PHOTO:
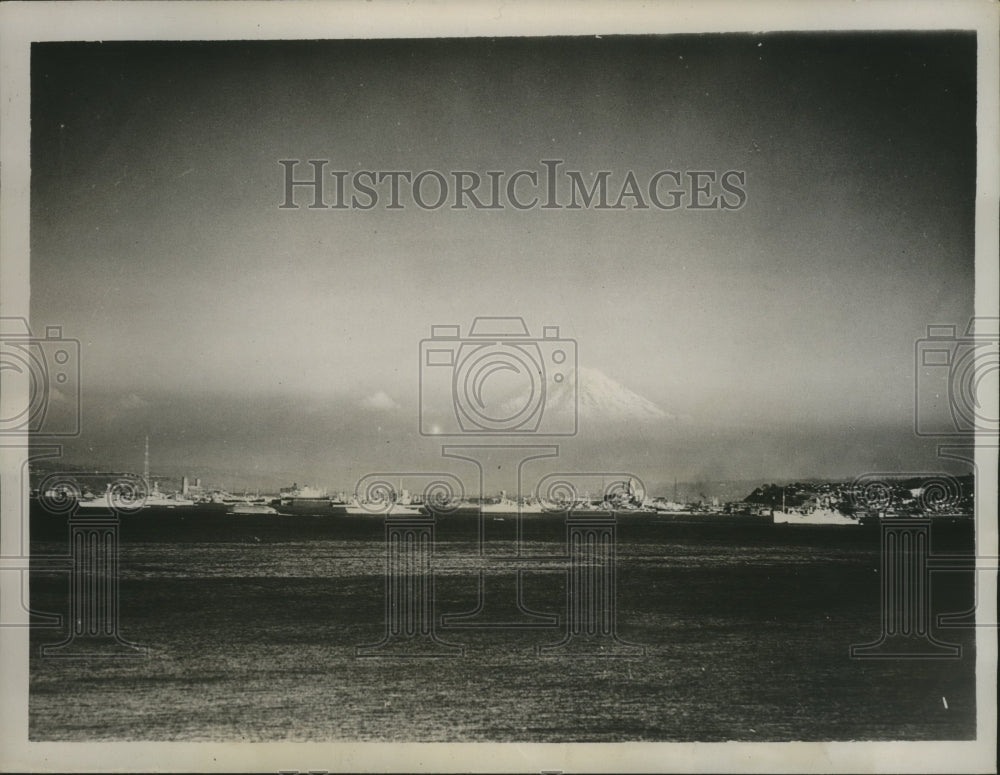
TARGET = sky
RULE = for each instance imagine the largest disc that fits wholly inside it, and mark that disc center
(259, 342)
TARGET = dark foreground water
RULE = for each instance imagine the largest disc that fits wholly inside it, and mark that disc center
(251, 626)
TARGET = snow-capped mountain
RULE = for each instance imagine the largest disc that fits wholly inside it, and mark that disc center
(598, 399)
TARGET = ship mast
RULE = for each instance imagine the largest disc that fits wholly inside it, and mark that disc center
(145, 465)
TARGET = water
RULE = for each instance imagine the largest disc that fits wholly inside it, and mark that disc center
(252, 624)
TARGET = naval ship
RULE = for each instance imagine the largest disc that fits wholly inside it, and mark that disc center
(305, 501)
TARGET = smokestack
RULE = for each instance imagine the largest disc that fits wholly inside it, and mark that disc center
(184, 485)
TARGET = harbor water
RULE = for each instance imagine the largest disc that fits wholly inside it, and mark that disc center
(252, 624)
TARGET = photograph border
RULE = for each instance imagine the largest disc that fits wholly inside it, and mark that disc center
(22, 23)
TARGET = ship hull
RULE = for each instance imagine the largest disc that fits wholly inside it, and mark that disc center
(714, 518)
(823, 517)
(310, 507)
(251, 510)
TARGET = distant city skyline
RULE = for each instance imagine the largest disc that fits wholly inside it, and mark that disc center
(778, 337)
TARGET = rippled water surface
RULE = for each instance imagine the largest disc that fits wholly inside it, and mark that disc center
(252, 626)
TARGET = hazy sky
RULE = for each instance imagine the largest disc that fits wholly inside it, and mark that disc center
(157, 239)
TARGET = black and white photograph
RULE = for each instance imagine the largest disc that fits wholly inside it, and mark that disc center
(511, 387)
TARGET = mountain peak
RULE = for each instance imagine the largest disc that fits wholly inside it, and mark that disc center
(602, 398)
(599, 398)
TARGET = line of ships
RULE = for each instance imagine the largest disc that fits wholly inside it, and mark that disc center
(309, 501)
